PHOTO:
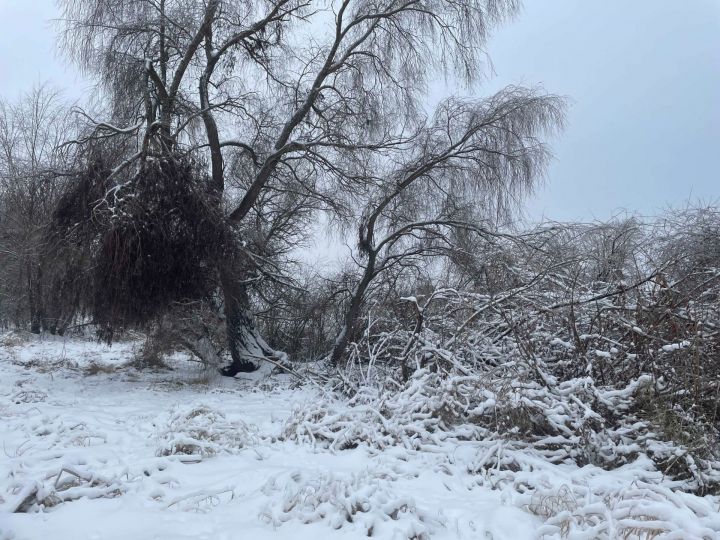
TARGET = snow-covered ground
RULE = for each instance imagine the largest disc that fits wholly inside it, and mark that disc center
(93, 449)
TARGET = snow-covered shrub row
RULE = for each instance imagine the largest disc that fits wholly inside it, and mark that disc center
(567, 421)
(432, 407)
(571, 420)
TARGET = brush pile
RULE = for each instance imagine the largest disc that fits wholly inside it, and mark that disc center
(586, 345)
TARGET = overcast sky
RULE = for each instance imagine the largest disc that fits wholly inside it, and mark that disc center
(644, 77)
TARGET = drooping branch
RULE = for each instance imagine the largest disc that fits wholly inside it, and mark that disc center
(487, 146)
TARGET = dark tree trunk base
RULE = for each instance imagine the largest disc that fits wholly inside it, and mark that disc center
(247, 348)
(233, 369)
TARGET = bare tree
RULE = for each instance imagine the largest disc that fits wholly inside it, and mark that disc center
(31, 130)
(472, 160)
(300, 107)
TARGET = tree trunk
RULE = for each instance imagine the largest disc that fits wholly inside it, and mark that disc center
(352, 314)
(247, 348)
(35, 300)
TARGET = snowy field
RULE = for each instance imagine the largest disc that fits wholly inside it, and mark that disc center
(94, 449)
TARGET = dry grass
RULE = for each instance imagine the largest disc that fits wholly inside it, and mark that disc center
(95, 368)
(13, 339)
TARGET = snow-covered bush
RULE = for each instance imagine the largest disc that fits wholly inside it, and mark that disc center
(68, 484)
(203, 431)
(363, 501)
(646, 511)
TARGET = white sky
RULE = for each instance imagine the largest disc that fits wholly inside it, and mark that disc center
(644, 76)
